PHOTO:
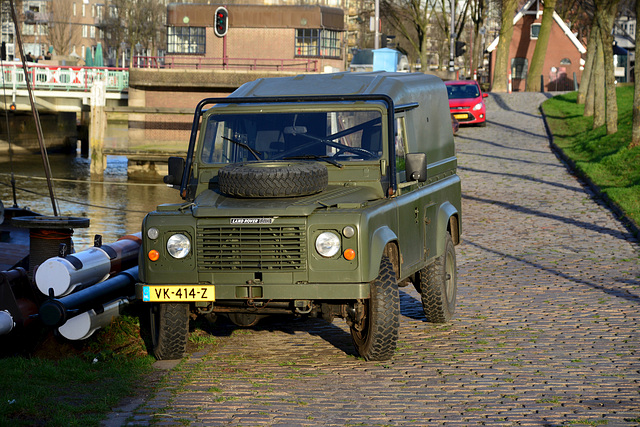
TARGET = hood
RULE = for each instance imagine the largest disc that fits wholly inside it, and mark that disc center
(213, 204)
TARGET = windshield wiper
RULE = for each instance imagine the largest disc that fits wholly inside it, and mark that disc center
(315, 157)
(255, 153)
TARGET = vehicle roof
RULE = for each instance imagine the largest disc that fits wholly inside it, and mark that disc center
(403, 88)
(461, 82)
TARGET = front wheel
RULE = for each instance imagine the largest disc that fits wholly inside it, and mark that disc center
(169, 324)
(374, 329)
(438, 285)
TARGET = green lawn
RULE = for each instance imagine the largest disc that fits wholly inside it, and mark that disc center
(605, 159)
(75, 384)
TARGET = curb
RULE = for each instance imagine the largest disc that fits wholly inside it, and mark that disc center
(629, 223)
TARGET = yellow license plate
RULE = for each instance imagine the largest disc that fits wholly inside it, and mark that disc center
(460, 116)
(178, 293)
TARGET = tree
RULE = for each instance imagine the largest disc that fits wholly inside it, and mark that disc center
(114, 25)
(598, 84)
(605, 14)
(588, 67)
(502, 51)
(635, 134)
(412, 19)
(540, 51)
(443, 19)
(145, 18)
(478, 13)
(62, 33)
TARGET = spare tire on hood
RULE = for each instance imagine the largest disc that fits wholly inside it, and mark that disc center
(273, 179)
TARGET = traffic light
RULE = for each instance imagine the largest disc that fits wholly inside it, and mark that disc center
(460, 50)
(221, 22)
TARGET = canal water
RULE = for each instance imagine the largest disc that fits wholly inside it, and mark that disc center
(115, 206)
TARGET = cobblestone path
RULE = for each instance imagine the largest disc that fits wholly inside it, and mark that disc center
(546, 331)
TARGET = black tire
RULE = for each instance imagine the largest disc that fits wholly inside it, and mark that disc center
(375, 334)
(169, 324)
(438, 285)
(273, 179)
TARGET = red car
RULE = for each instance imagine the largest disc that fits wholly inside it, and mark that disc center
(466, 102)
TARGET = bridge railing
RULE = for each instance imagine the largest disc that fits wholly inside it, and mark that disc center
(201, 63)
(59, 77)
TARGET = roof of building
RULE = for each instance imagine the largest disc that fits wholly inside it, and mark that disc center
(526, 10)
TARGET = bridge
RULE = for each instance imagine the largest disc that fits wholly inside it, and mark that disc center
(59, 88)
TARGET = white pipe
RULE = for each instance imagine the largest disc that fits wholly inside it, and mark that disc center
(6, 322)
(84, 325)
(60, 275)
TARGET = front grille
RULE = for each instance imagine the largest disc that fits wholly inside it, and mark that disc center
(229, 248)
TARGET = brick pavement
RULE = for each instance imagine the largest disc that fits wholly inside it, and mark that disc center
(546, 330)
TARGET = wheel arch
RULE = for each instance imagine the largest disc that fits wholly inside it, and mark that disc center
(383, 242)
(448, 221)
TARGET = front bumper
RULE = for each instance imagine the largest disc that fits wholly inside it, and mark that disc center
(282, 292)
(469, 117)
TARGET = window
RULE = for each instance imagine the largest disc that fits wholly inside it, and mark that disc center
(85, 30)
(519, 68)
(535, 31)
(400, 149)
(344, 136)
(316, 42)
(565, 61)
(186, 40)
(74, 9)
(84, 9)
(92, 32)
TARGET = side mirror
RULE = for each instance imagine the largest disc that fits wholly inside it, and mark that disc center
(416, 166)
(176, 169)
(485, 95)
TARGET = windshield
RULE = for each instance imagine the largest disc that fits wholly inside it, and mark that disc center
(338, 135)
(463, 91)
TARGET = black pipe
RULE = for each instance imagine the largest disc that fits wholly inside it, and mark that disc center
(55, 312)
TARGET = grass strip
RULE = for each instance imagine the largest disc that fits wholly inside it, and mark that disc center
(605, 160)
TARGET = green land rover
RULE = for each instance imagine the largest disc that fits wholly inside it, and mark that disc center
(315, 195)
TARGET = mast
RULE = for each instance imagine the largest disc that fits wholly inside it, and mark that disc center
(34, 110)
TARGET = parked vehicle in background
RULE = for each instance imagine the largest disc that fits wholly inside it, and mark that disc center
(315, 195)
(384, 59)
(466, 101)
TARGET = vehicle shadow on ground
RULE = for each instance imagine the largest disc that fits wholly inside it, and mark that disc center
(332, 333)
(612, 289)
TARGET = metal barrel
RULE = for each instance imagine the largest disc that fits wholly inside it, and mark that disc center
(55, 312)
(84, 325)
(59, 276)
(16, 299)
(6, 322)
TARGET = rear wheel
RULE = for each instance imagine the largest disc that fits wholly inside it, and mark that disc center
(169, 324)
(438, 285)
(374, 329)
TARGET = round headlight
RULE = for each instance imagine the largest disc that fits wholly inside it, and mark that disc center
(328, 244)
(153, 233)
(178, 246)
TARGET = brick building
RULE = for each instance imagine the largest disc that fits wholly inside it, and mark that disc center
(564, 57)
(303, 38)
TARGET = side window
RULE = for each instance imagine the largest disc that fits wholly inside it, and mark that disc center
(401, 143)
